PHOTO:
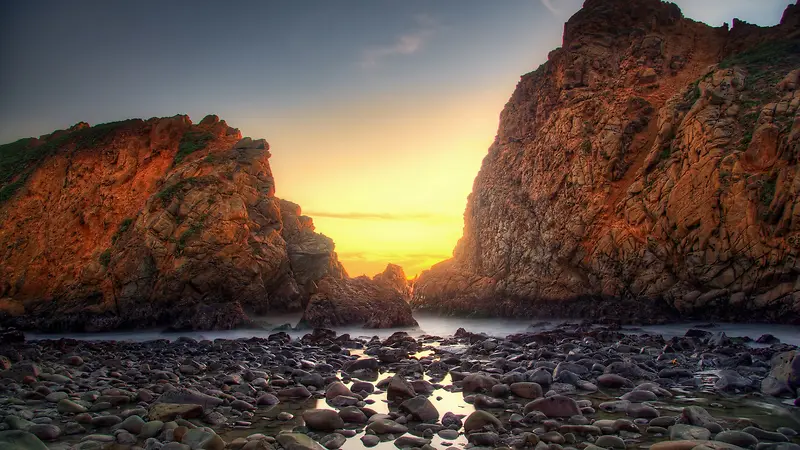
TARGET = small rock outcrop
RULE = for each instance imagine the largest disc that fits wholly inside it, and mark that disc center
(649, 170)
(149, 223)
(381, 302)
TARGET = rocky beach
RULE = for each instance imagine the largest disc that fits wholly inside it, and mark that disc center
(575, 386)
(627, 275)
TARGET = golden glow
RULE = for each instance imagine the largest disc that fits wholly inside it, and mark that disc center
(388, 179)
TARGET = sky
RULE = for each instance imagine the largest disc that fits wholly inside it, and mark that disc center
(378, 112)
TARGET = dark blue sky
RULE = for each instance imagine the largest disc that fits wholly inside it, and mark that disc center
(100, 60)
(373, 108)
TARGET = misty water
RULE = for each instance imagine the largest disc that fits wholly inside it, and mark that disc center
(442, 326)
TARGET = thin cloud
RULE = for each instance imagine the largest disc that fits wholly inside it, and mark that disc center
(395, 257)
(405, 44)
(376, 215)
(549, 5)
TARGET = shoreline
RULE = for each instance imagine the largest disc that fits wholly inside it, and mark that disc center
(573, 386)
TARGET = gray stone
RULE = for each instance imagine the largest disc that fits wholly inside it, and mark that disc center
(20, 440)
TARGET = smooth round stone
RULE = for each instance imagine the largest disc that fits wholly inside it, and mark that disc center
(484, 439)
(609, 441)
(552, 437)
(151, 429)
(448, 434)
(639, 410)
(554, 406)
(74, 360)
(126, 438)
(639, 396)
(322, 419)
(526, 390)
(485, 402)
(411, 441)
(739, 438)
(45, 432)
(203, 438)
(681, 432)
(370, 440)
(663, 421)
(613, 381)
(352, 414)
(55, 397)
(763, 435)
(71, 428)
(67, 406)
(106, 421)
(98, 438)
(362, 386)
(132, 424)
(267, 400)
(480, 419)
(500, 390)
(332, 441)
(20, 440)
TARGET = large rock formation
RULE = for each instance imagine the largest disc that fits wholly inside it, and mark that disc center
(648, 170)
(157, 222)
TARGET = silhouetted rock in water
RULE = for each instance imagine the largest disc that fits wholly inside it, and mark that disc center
(154, 223)
(375, 303)
(647, 171)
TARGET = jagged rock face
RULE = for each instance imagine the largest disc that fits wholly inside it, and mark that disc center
(378, 303)
(394, 278)
(647, 171)
(156, 222)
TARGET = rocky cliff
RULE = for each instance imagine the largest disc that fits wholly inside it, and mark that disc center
(158, 222)
(648, 170)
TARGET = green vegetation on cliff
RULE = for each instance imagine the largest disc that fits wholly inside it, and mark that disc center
(20, 158)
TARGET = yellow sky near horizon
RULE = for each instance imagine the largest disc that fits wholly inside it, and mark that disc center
(394, 192)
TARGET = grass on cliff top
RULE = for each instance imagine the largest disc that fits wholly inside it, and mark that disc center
(192, 141)
(767, 55)
(766, 65)
(19, 159)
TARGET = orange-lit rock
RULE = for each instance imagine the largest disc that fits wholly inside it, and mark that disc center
(649, 170)
(151, 223)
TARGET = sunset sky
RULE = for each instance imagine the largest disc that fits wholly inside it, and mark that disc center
(378, 112)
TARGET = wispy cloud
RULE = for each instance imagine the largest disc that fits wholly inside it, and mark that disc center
(393, 256)
(549, 5)
(405, 44)
(377, 215)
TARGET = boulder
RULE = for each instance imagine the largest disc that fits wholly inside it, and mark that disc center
(420, 409)
(20, 440)
(297, 441)
(322, 419)
(399, 390)
(479, 420)
(555, 406)
(784, 377)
